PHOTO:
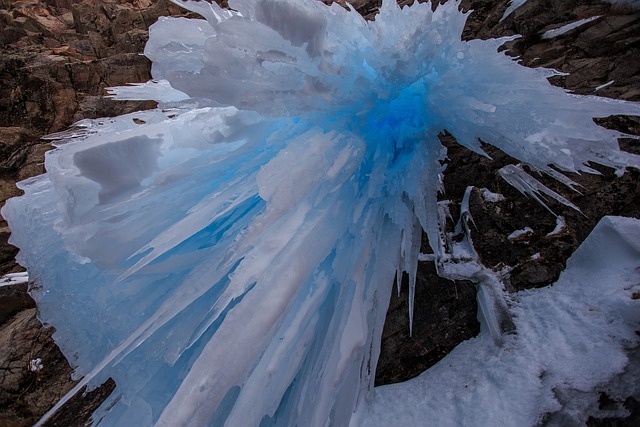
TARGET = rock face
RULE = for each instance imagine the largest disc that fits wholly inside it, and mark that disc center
(444, 315)
(58, 56)
(34, 375)
(27, 391)
(601, 51)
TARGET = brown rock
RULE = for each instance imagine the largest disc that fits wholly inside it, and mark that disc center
(14, 299)
(26, 394)
(34, 375)
(445, 314)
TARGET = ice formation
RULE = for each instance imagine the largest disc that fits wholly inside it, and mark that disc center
(520, 234)
(14, 279)
(513, 5)
(519, 179)
(228, 257)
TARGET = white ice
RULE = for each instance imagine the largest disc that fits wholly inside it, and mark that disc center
(516, 176)
(490, 196)
(561, 224)
(566, 28)
(602, 86)
(513, 5)
(519, 234)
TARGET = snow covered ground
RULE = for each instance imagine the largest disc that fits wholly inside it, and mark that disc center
(572, 341)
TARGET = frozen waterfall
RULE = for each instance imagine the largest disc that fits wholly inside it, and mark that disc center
(228, 257)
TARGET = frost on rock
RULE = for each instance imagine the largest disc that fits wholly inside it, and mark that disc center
(228, 257)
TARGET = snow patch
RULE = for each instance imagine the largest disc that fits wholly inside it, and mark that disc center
(14, 278)
(520, 234)
(566, 28)
(491, 197)
(561, 224)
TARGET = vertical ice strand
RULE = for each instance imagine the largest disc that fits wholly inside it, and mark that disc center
(228, 257)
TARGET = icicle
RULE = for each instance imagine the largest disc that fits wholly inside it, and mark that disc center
(516, 176)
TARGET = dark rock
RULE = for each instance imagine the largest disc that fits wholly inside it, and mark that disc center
(27, 390)
(630, 404)
(14, 299)
(26, 394)
(445, 314)
(7, 251)
(79, 409)
(15, 146)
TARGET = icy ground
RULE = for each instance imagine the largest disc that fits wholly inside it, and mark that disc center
(228, 256)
